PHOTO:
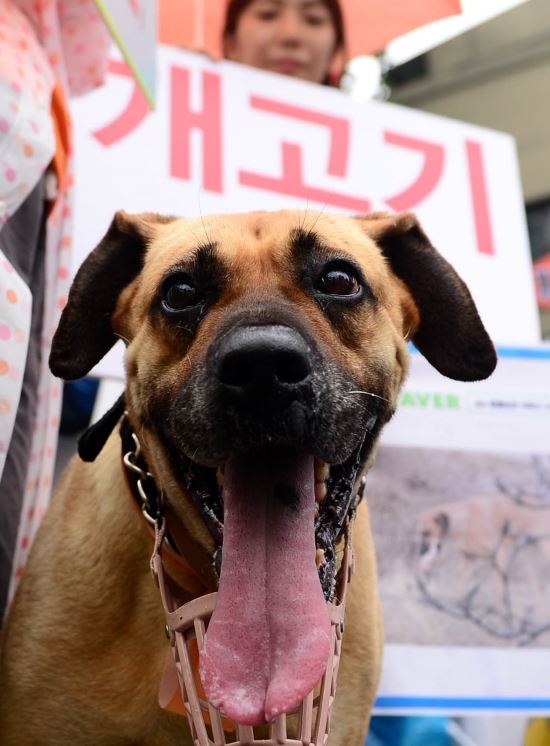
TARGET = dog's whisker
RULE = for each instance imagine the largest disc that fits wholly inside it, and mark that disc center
(321, 211)
(124, 339)
(305, 216)
(369, 393)
(202, 218)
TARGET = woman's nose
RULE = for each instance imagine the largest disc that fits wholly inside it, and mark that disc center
(289, 27)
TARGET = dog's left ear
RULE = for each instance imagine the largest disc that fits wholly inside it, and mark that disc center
(450, 335)
(84, 334)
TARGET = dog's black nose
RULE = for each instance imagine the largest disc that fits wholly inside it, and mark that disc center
(264, 359)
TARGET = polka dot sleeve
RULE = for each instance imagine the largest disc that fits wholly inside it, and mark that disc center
(26, 133)
(86, 42)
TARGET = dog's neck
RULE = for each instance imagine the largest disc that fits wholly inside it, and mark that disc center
(188, 565)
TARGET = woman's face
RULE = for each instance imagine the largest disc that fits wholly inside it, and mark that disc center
(291, 37)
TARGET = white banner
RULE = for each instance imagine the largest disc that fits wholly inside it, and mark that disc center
(460, 506)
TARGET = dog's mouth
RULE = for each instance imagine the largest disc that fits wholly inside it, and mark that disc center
(336, 490)
(281, 513)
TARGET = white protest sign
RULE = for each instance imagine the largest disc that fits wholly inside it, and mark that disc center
(226, 138)
(460, 506)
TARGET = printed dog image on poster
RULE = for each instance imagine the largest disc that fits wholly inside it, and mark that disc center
(460, 499)
(474, 533)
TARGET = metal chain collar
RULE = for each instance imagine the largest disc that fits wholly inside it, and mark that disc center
(150, 504)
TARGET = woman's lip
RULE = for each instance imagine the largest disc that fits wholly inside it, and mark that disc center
(287, 64)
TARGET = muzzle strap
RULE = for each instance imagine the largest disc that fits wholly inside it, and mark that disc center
(186, 627)
(94, 438)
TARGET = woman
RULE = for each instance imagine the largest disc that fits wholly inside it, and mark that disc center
(300, 38)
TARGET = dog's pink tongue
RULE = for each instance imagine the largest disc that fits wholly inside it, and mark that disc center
(267, 643)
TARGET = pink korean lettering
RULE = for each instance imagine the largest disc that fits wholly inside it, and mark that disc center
(427, 179)
(480, 200)
(183, 119)
(291, 182)
(430, 175)
(132, 115)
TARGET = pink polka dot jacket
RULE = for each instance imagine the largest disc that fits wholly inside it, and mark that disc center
(46, 46)
(41, 41)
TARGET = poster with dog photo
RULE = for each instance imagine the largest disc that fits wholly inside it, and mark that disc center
(460, 506)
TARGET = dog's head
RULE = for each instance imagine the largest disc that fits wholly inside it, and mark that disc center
(266, 351)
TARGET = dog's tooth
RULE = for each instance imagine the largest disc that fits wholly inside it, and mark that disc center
(319, 557)
(219, 476)
(322, 470)
(320, 491)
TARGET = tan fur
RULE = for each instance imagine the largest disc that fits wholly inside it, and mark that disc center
(84, 645)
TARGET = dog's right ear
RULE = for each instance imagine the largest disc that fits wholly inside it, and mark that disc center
(84, 334)
(450, 333)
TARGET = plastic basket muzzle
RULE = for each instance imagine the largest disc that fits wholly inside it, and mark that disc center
(186, 627)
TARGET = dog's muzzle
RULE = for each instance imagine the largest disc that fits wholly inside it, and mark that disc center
(186, 627)
(265, 386)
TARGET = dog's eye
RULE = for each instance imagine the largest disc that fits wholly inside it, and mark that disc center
(180, 295)
(338, 280)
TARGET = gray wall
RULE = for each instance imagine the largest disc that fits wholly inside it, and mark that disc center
(498, 76)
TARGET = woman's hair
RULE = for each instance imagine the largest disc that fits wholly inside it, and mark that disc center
(236, 7)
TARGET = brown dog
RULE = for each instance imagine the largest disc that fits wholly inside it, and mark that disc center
(272, 351)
